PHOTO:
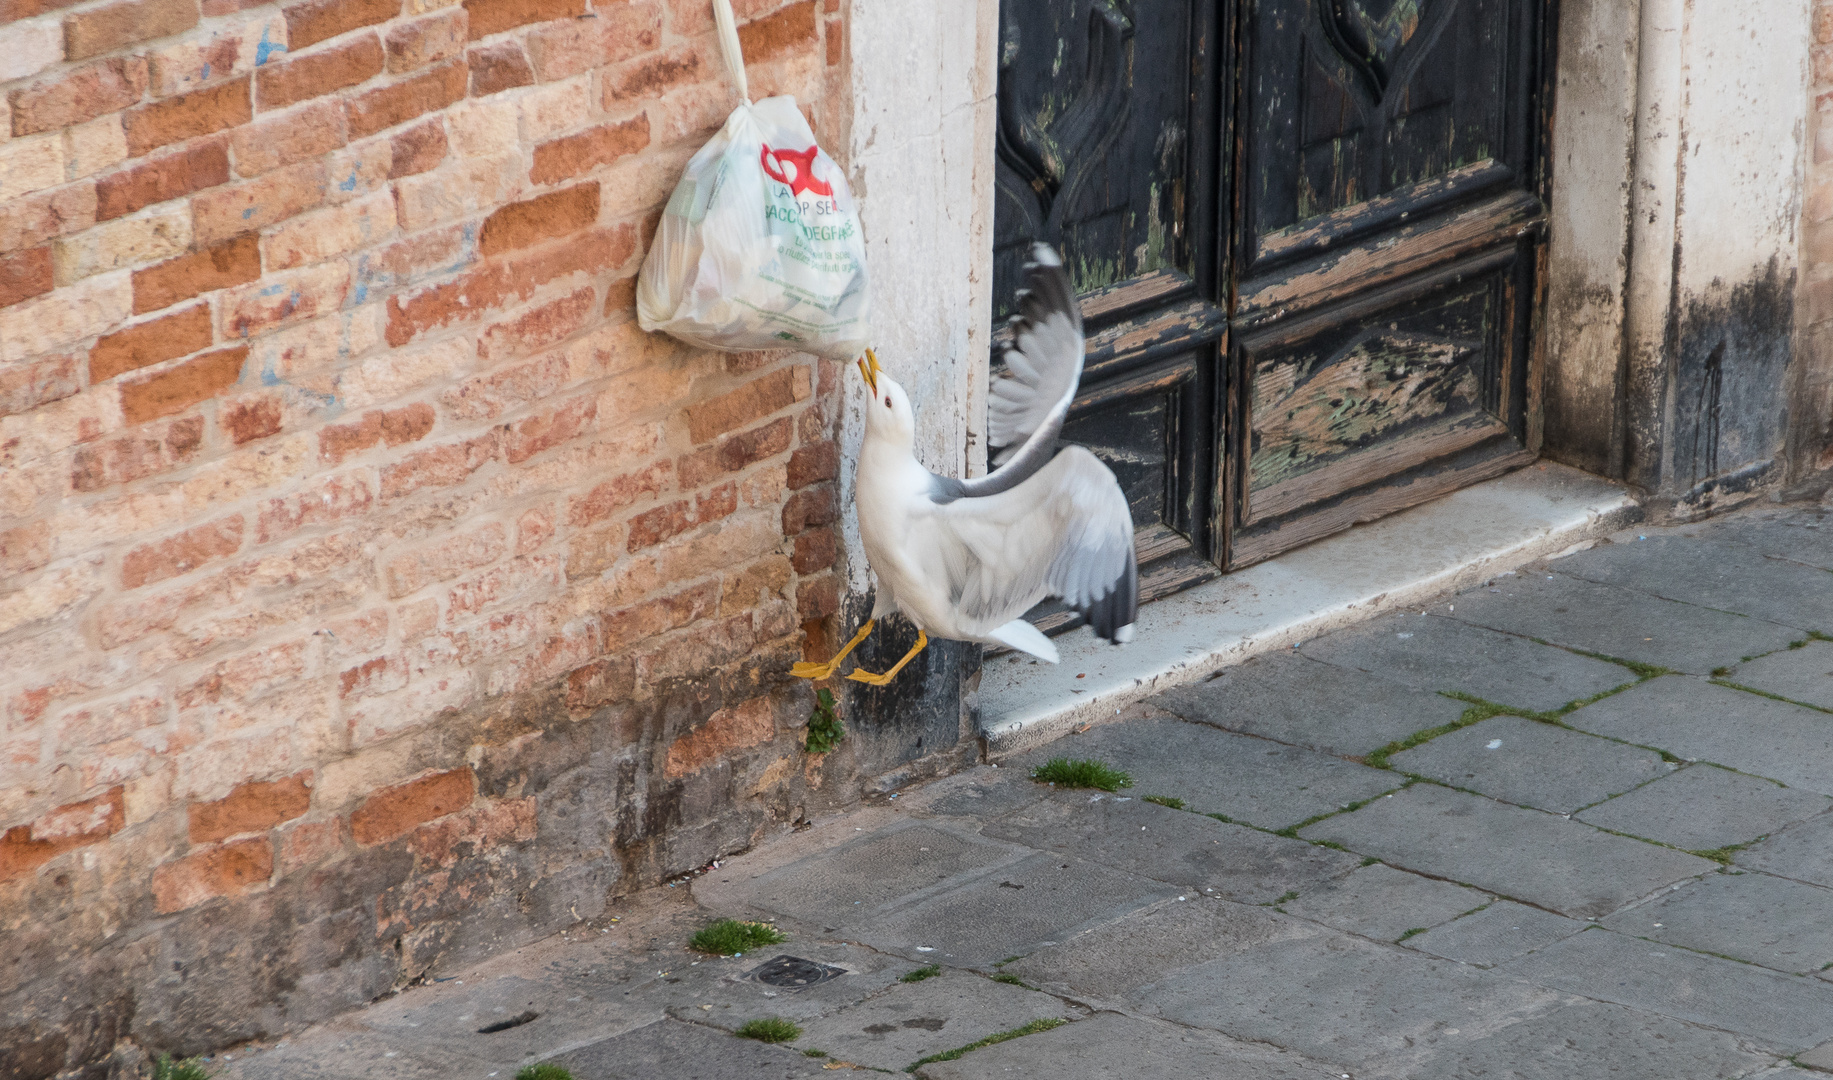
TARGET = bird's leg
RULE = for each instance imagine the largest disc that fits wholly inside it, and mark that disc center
(809, 670)
(879, 680)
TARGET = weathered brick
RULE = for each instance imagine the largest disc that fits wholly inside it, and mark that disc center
(812, 464)
(168, 177)
(46, 215)
(544, 217)
(26, 548)
(417, 150)
(235, 262)
(752, 446)
(24, 275)
(816, 550)
(24, 848)
(196, 60)
(652, 76)
(318, 73)
(73, 97)
(232, 869)
(534, 528)
(124, 242)
(319, 20)
(538, 327)
(836, 42)
(555, 107)
(188, 116)
(755, 400)
(116, 26)
(328, 233)
(809, 508)
(61, 317)
(150, 342)
(283, 299)
(179, 387)
(26, 387)
(500, 65)
(611, 495)
(28, 165)
(251, 419)
(576, 154)
(728, 730)
(97, 145)
(438, 466)
(494, 286)
(818, 598)
(600, 683)
(393, 811)
(323, 502)
(495, 16)
(249, 808)
(387, 106)
(787, 30)
(181, 554)
(544, 431)
(310, 843)
(426, 41)
(396, 426)
(31, 48)
(104, 463)
(258, 203)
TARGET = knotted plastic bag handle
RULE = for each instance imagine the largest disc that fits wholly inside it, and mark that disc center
(729, 48)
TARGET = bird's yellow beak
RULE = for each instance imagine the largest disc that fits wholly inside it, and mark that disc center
(871, 373)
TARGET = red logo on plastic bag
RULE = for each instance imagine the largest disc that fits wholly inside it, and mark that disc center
(803, 164)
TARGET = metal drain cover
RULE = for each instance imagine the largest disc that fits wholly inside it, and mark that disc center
(794, 972)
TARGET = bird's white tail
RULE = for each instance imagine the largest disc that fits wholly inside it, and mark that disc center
(1024, 637)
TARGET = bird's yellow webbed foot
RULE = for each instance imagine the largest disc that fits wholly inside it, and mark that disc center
(808, 669)
(879, 680)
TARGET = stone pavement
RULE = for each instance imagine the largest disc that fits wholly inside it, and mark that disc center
(1571, 823)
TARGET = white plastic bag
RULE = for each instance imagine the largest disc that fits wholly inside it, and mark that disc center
(760, 245)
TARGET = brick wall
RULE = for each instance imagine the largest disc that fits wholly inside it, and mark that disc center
(1811, 389)
(373, 592)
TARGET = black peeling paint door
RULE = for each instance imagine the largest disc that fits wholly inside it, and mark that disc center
(1386, 257)
(1111, 115)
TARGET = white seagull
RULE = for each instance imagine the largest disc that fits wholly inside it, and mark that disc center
(964, 559)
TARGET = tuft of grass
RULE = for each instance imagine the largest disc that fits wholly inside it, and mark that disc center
(1007, 960)
(1081, 774)
(1723, 855)
(1369, 860)
(824, 727)
(1223, 818)
(1012, 980)
(1720, 672)
(1033, 1028)
(164, 1068)
(1171, 801)
(729, 936)
(814, 1053)
(770, 1029)
(922, 973)
(545, 1070)
(1410, 933)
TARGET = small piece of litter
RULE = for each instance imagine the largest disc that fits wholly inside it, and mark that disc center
(1495, 744)
(1180, 899)
(1657, 926)
(1081, 674)
(925, 948)
(1142, 828)
(1403, 637)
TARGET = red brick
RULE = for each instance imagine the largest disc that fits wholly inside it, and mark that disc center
(235, 262)
(25, 548)
(178, 388)
(253, 807)
(24, 275)
(437, 466)
(246, 421)
(318, 73)
(258, 203)
(396, 810)
(654, 526)
(311, 23)
(537, 328)
(427, 41)
(213, 8)
(390, 105)
(311, 842)
(646, 620)
(495, 16)
(26, 387)
(408, 424)
(544, 217)
(815, 551)
(575, 154)
(496, 285)
(24, 848)
(812, 464)
(601, 501)
(808, 508)
(417, 150)
(223, 870)
(169, 177)
(181, 554)
(653, 76)
(548, 430)
(533, 528)
(88, 92)
(600, 683)
(396, 426)
(277, 141)
(187, 116)
(751, 402)
(144, 344)
(573, 46)
(282, 299)
(499, 66)
(818, 598)
(836, 42)
(728, 730)
(31, 220)
(119, 461)
(129, 22)
(324, 502)
(749, 447)
(788, 30)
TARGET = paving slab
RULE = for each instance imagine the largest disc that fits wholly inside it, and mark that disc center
(1803, 852)
(1821, 1057)
(1111, 1045)
(1760, 919)
(1498, 933)
(1341, 999)
(914, 1020)
(1431, 652)
(1258, 781)
(344, 1052)
(1289, 697)
(1383, 903)
(1715, 575)
(1798, 534)
(1593, 1039)
(1625, 623)
(1699, 721)
(1804, 674)
(1524, 854)
(1702, 808)
(980, 793)
(1532, 764)
(1040, 899)
(1784, 1011)
(1178, 847)
(681, 1051)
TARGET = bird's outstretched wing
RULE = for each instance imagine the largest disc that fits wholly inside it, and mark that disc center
(1066, 532)
(1026, 405)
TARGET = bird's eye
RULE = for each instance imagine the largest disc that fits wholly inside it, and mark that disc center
(887, 403)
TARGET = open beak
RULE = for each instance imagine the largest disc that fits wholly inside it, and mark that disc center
(871, 373)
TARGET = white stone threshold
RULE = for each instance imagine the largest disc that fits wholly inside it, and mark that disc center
(1408, 558)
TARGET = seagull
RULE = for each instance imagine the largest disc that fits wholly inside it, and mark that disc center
(964, 559)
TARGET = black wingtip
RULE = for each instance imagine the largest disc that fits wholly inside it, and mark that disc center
(1047, 289)
(1116, 612)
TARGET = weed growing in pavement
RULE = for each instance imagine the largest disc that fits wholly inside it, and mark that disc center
(1007, 960)
(546, 1070)
(824, 727)
(164, 1068)
(1012, 980)
(770, 1029)
(1032, 1028)
(922, 973)
(1081, 774)
(1171, 801)
(1722, 855)
(1369, 860)
(1410, 932)
(814, 1053)
(728, 937)
(1223, 818)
